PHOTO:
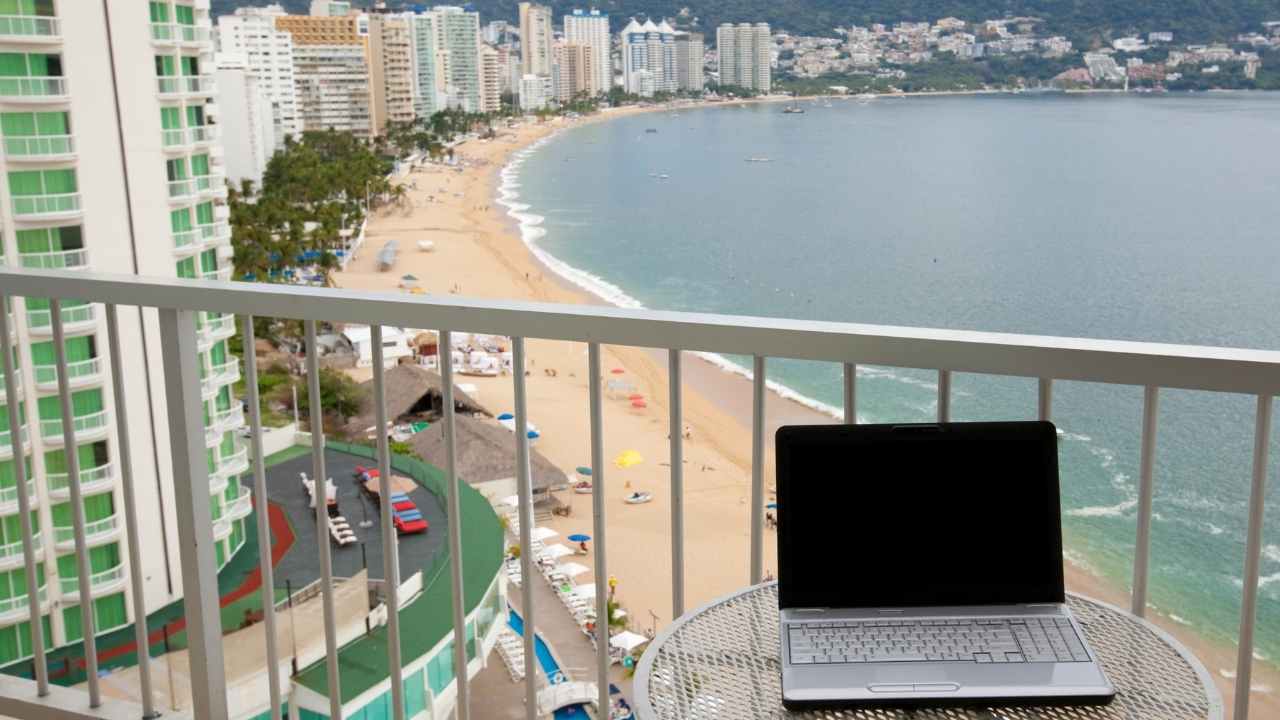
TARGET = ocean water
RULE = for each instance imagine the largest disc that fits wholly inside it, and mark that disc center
(1144, 218)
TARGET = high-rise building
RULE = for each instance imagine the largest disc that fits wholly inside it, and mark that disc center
(391, 72)
(574, 71)
(330, 8)
(689, 54)
(745, 52)
(428, 96)
(651, 48)
(331, 71)
(268, 53)
(497, 32)
(110, 163)
(591, 30)
(458, 56)
(245, 119)
(535, 39)
(490, 80)
(536, 92)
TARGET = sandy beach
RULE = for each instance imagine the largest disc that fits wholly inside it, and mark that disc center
(478, 253)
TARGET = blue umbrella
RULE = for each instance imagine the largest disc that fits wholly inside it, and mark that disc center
(772, 506)
(579, 537)
(506, 416)
(533, 435)
(584, 470)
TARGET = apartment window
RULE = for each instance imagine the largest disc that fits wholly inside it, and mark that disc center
(199, 165)
(190, 65)
(96, 507)
(187, 269)
(204, 213)
(185, 14)
(83, 403)
(15, 640)
(166, 66)
(42, 182)
(171, 118)
(108, 612)
(14, 583)
(8, 479)
(101, 559)
(19, 65)
(176, 169)
(28, 124)
(195, 115)
(159, 12)
(89, 456)
(41, 8)
(50, 240)
(180, 220)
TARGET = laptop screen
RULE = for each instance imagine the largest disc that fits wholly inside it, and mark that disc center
(918, 515)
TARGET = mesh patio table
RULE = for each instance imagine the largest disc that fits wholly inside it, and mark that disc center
(721, 662)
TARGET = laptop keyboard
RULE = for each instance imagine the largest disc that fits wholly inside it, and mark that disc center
(985, 640)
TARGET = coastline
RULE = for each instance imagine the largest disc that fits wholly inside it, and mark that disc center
(482, 251)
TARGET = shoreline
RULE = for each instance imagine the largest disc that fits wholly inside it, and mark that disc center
(499, 261)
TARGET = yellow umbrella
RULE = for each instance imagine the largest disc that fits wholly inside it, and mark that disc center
(628, 458)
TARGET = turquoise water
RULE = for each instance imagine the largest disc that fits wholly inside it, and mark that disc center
(1150, 218)
(550, 668)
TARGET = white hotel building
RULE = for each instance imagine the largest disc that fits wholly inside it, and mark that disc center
(110, 161)
(268, 54)
(590, 29)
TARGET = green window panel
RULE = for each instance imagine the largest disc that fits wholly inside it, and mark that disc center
(199, 165)
(211, 458)
(108, 612)
(26, 124)
(195, 115)
(220, 554)
(101, 559)
(204, 213)
(415, 694)
(14, 582)
(90, 456)
(187, 268)
(11, 527)
(54, 239)
(170, 118)
(96, 507)
(42, 182)
(15, 640)
(159, 12)
(190, 65)
(83, 402)
(440, 669)
(4, 415)
(223, 400)
(237, 535)
(78, 349)
(305, 714)
(377, 709)
(176, 169)
(9, 475)
(34, 303)
(30, 65)
(166, 66)
(208, 261)
(180, 220)
(228, 444)
(185, 14)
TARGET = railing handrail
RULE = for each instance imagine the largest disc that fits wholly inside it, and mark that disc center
(52, 428)
(1195, 367)
(10, 494)
(69, 585)
(7, 22)
(41, 260)
(59, 480)
(15, 548)
(45, 145)
(65, 533)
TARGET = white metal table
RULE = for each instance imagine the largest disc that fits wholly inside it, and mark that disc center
(721, 662)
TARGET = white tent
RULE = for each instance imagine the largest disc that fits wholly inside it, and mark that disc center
(512, 500)
(572, 569)
(556, 550)
(542, 533)
(584, 591)
(626, 641)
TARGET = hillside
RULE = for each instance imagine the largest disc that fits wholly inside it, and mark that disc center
(1083, 21)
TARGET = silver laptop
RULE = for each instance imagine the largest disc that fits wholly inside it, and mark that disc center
(922, 565)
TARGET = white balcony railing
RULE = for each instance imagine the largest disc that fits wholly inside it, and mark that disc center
(95, 533)
(17, 607)
(222, 273)
(39, 148)
(9, 497)
(179, 34)
(46, 206)
(211, 185)
(6, 441)
(92, 480)
(11, 555)
(214, 233)
(240, 507)
(74, 318)
(30, 28)
(86, 427)
(56, 260)
(220, 375)
(187, 242)
(1045, 359)
(79, 373)
(34, 89)
(100, 583)
(233, 463)
(182, 189)
(222, 423)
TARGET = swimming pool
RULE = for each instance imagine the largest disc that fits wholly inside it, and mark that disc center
(549, 666)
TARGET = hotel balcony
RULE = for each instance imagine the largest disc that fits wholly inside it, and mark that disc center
(57, 260)
(79, 374)
(40, 148)
(213, 185)
(352, 678)
(54, 206)
(98, 532)
(9, 497)
(182, 190)
(92, 480)
(178, 140)
(76, 320)
(222, 273)
(178, 35)
(17, 608)
(30, 29)
(214, 234)
(17, 384)
(222, 423)
(102, 583)
(93, 426)
(6, 442)
(187, 243)
(239, 508)
(11, 555)
(34, 90)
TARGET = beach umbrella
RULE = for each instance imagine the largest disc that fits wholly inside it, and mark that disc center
(533, 435)
(617, 371)
(579, 537)
(584, 470)
(628, 458)
(626, 641)
(506, 416)
(635, 396)
(639, 404)
(772, 506)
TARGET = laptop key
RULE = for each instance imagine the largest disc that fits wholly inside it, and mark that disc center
(982, 657)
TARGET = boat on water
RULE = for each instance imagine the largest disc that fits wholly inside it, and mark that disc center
(793, 110)
(663, 176)
(639, 498)
(865, 97)
(758, 159)
(651, 130)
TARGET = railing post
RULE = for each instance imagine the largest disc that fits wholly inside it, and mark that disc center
(263, 525)
(676, 424)
(1044, 406)
(72, 458)
(24, 501)
(390, 540)
(1146, 491)
(598, 519)
(944, 396)
(524, 487)
(1253, 556)
(179, 352)
(850, 394)
(125, 454)
(757, 469)
(462, 710)
(320, 496)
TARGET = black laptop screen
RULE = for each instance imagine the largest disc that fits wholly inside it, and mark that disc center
(908, 516)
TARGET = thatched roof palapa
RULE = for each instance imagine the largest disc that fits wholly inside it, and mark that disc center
(411, 390)
(486, 451)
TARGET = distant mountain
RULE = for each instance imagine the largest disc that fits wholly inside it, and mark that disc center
(1083, 21)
